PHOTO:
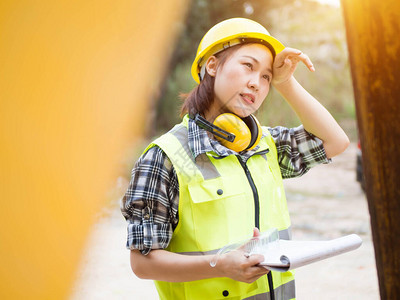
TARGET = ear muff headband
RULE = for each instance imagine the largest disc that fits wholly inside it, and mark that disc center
(255, 129)
(233, 132)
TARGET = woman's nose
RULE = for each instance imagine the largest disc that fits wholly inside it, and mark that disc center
(254, 83)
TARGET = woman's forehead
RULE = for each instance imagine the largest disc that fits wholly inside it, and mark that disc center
(254, 48)
(256, 52)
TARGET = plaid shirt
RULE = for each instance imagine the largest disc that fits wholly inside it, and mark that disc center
(150, 205)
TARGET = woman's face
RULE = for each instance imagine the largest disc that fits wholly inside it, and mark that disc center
(242, 82)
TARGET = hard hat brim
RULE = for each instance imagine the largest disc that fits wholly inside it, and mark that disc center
(250, 37)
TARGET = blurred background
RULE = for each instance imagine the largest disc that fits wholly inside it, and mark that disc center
(86, 85)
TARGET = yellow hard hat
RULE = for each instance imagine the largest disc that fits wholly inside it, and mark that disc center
(229, 33)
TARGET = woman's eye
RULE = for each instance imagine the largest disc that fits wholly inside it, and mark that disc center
(249, 65)
(267, 77)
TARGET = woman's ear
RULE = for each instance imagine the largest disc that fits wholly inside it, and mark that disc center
(212, 65)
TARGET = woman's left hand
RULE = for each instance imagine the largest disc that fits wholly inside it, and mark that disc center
(285, 64)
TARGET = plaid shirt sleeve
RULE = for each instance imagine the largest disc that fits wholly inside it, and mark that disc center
(150, 203)
(298, 150)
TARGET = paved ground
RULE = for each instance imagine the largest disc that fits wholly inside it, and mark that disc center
(326, 203)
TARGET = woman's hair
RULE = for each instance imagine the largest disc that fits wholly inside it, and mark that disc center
(198, 100)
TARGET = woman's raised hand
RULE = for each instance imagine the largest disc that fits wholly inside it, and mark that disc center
(285, 64)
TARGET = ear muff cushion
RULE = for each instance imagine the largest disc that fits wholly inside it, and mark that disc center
(235, 125)
(254, 128)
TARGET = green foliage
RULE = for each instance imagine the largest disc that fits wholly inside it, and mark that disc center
(316, 29)
(168, 107)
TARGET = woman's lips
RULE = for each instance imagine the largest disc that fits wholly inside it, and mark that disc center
(249, 98)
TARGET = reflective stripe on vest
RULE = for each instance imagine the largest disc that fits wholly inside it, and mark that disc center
(285, 291)
(216, 207)
(283, 235)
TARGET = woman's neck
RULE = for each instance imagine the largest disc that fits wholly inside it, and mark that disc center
(212, 113)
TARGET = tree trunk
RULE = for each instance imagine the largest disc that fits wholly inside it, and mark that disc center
(373, 28)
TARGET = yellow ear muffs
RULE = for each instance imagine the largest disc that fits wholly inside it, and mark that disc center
(234, 125)
(233, 132)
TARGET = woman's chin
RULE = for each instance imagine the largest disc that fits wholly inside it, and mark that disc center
(242, 112)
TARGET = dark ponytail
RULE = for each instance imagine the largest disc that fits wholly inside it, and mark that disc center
(200, 98)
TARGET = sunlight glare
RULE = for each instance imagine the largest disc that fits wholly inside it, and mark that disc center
(330, 2)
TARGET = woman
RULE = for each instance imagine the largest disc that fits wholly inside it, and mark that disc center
(217, 177)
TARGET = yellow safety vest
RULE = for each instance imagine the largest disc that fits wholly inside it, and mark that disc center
(221, 200)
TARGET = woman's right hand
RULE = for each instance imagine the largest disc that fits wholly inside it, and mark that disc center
(238, 265)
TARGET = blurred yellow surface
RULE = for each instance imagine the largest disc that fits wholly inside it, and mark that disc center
(76, 81)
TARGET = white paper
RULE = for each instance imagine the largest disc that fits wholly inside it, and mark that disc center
(287, 255)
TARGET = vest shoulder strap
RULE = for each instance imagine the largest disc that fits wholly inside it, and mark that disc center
(175, 145)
